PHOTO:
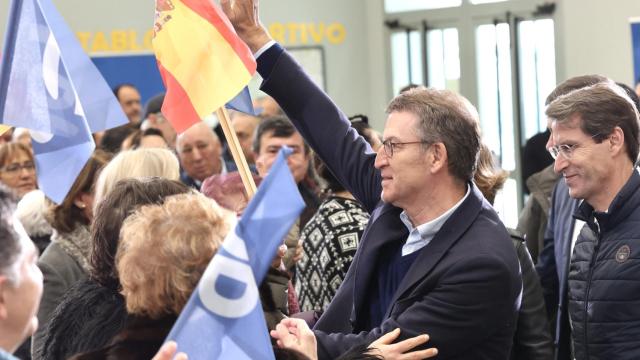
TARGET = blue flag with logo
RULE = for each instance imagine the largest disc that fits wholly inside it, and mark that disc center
(223, 318)
(50, 86)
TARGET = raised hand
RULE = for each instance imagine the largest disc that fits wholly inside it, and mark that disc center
(244, 17)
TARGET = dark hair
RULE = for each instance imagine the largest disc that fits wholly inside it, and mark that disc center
(574, 83)
(116, 89)
(65, 216)
(631, 94)
(601, 108)
(446, 117)
(362, 129)
(10, 247)
(489, 178)
(276, 126)
(136, 137)
(288, 354)
(154, 105)
(359, 352)
(126, 196)
(113, 138)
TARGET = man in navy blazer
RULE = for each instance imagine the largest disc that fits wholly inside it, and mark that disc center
(435, 257)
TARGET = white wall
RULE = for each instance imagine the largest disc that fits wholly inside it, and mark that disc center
(594, 37)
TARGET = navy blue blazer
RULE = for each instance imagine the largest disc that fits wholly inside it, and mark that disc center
(463, 289)
(553, 265)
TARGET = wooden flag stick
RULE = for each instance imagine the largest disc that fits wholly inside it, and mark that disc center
(236, 152)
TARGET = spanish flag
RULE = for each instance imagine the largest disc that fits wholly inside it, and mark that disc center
(202, 61)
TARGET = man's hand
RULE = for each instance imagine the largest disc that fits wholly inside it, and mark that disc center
(384, 347)
(243, 15)
(294, 334)
(167, 351)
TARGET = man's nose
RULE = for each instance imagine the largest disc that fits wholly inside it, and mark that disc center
(197, 155)
(560, 163)
(381, 158)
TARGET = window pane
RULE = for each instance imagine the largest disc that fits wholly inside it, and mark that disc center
(495, 92)
(393, 6)
(403, 74)
(444, 59)
(537, 72)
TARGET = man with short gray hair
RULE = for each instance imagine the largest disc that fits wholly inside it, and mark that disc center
(200, 154)
(594, 137)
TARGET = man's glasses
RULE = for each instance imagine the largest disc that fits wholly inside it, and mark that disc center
(565, 149)
(16, 167)
(389, 146)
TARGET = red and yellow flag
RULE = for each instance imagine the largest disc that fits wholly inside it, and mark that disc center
(202, 61)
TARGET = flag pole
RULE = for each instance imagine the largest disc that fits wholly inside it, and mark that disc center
(236, 152)
(7, 54)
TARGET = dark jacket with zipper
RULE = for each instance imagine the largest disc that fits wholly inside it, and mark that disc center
(604, 279)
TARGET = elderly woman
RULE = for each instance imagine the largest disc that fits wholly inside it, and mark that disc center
(185, 232)
(93, 311)
(20, 280)
(66, 259)
(17, 168)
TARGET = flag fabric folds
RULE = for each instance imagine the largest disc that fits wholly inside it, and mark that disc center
(223, 318)
(50, 86)
(203, 62)
(242, 102)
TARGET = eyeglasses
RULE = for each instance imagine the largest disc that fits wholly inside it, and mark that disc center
(565, 149)
(16, 167)
(389, 145)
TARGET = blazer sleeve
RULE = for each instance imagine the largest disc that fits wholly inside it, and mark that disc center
(325, 128)
(469, 305)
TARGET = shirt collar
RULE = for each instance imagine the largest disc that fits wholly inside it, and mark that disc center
(430, 228)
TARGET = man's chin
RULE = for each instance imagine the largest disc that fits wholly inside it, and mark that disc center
(385, 198)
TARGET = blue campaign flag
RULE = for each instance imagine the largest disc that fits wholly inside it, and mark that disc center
(224, 318)
(242, 102)
(48, 85)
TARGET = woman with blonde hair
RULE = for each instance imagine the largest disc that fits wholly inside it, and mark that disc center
(17, 168)
(137, 163)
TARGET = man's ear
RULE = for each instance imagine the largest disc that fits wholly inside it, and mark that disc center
(4, 283)
(438, 156)
(616, 140)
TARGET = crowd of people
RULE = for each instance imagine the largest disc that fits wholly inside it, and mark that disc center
(398, 254)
